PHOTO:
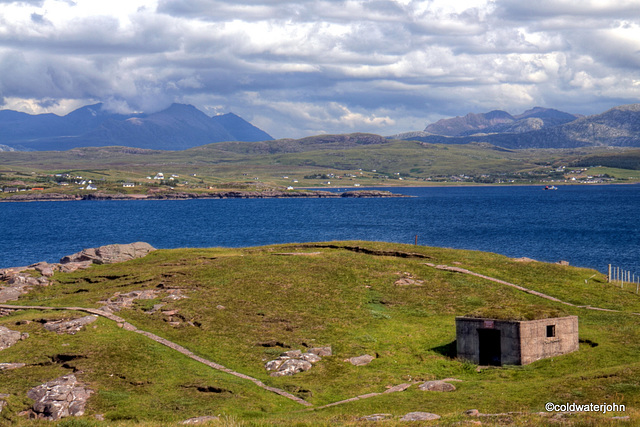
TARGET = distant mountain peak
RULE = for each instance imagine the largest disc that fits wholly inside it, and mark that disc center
(628, 107)
(178, 127)
(497, 114)
(543, 128)
(498, 121)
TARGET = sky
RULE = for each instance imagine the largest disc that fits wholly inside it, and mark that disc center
(308, 67)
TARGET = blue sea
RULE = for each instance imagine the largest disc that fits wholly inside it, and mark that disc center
(589, 226)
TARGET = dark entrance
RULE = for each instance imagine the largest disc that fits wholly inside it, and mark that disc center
(489, 347)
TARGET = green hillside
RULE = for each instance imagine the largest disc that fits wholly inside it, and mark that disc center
(320, 161)
(246, 306)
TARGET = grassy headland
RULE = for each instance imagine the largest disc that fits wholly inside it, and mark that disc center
(246, 306)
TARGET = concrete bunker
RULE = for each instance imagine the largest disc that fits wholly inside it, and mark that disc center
(514, 342)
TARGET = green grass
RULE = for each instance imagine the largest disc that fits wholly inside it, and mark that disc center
(253, 165)
(340, 298)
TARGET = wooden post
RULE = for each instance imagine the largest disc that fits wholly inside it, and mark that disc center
(619, 276)
(609, 276)
(617, 272)
(416, 240)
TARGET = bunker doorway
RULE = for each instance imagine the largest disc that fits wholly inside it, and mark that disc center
(489, 348)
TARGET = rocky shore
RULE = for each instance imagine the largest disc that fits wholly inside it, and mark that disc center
(268, 194)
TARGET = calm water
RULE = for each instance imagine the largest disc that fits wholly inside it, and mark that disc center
(588, 226)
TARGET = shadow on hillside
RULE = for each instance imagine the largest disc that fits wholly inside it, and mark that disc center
(447, 350)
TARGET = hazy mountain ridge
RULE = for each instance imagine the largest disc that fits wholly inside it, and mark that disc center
(499, 121)
(176, 128)
(616, 127)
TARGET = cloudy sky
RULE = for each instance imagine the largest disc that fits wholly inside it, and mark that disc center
(304, 67)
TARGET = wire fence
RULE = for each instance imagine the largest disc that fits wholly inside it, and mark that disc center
(622, 277)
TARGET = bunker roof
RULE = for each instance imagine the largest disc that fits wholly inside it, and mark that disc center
(530, 312)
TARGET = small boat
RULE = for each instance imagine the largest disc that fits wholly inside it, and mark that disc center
(553, 187)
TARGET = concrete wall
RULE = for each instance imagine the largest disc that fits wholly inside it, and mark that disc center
(521, 342)
(536, 345)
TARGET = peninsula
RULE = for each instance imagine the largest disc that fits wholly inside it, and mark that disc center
(267, 194)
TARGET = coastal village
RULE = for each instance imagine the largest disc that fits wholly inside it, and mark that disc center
(12, 182)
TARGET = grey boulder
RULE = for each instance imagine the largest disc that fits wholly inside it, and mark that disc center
(361, 360)
(436, 386)
(9, 337)
(70, 327)
(420, 416)
(59, 398)
(110, 254)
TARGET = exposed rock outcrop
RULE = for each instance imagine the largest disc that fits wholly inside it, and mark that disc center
(9, 366)
(436, 386)
(200, 420)
(110, 254)
(59, 398)
(70, 327)
(294, 361)
(287, 366)
(9, 337)
(397, 388)
(121, 301)
(20, 280)
(3, 402)
(408, 279)
(321, 351)
(376, 417)
(19, 283)
(420, 416)
(361, 360)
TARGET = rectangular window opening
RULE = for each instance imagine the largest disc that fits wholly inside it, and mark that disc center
(551, 331)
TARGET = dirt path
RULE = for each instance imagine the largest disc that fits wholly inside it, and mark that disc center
(129, 327)
(523, 289)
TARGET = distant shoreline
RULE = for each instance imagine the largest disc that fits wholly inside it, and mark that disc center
(270, 194)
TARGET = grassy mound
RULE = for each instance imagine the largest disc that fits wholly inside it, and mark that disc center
(246, 306)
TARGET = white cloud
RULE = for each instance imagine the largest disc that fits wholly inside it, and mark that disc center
(306, 66)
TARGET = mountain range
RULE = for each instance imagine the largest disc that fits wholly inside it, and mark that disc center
(498, 121)
(177, 128)
(537, 128)
(180, 127)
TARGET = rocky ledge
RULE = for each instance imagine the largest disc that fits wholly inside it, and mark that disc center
(59, 398)
(294, 361)
(17, 281)
(268, 194)
(110, 254)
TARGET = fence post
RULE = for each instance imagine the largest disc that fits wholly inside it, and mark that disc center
(609, 276)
